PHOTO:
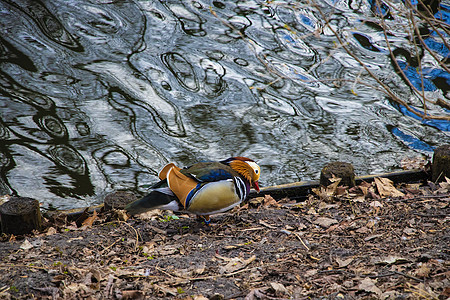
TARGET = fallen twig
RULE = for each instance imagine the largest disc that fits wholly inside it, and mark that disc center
(303, 243)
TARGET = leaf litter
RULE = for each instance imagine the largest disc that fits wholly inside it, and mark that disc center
(373, 241)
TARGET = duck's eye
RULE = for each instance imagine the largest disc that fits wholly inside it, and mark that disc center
(256, 171)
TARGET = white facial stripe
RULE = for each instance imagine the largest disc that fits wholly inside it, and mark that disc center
(254, 166)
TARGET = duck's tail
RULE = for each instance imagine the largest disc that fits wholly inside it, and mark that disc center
(160, 197)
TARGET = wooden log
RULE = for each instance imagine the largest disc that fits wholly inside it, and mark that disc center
(295, 190)
(441, 163)
(301, 189)
(118, 200)
(343, 170)
(407, 176)
(20, 215)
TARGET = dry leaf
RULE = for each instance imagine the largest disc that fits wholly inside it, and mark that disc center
(390, 295)
(311, 272)
(375, 204)
(121, 215)
(90, 220)
(364, 189)
(269, 201)
(331, 189)
(424, 271)
(279, 288)
(234, 264)
(444, 186)
(341, 190)
(200, 269)
(386, 188)
(256, 201)
(372, 237)
(26, 245)
(389, 260)
(151, 214)
(409, 231)
(51, 230)
(343, 263)
(368, 285)
(360, 199)
(325, 222)
(325, 193)
(424, 290)
(362, 229)
(334, 179)
(301, 226)
(165, 289)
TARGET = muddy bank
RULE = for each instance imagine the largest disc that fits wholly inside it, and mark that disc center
(338, 243)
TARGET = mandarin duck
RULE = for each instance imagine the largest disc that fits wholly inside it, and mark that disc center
(204, 189)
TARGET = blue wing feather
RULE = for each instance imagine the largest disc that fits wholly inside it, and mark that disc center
(215, 175)
(209, 172)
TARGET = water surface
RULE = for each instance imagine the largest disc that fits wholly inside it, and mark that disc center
(97, 96)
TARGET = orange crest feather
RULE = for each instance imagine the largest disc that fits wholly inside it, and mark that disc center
(242, 168)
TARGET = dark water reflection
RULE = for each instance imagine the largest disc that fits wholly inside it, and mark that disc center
(97, 95)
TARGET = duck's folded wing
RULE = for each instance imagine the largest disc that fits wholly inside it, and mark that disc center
(209, 171)
(163, 173)
(180, 184)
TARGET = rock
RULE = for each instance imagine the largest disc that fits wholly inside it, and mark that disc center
(118, 200)
(342, 170)
(20, 215)
(441, 163)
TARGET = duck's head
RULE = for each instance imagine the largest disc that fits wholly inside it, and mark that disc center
(247, 168)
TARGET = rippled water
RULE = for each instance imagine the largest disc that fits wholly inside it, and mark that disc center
(97, 96)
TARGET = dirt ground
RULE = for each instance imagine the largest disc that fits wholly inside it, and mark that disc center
(374, 241)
